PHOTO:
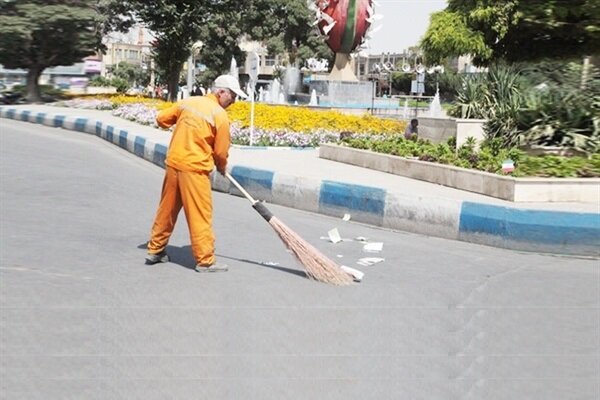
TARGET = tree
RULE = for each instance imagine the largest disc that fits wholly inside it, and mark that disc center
(513, 30)
(219, 25)
(177, 24)
(286, 25)
(37, 34)
(133, 74)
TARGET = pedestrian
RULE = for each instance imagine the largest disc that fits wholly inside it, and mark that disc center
(412, 129)
(200, 142)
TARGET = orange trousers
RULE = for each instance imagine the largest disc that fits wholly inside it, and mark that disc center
(192, 191)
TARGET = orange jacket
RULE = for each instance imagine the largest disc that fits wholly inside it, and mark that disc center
(201, 138)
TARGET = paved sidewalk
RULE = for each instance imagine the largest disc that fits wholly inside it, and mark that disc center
(300, 179)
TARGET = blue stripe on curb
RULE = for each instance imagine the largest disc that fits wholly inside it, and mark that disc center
(59, 121)
(109, 133)
(353, 197)
(138, 146)
(514, 228)
(123, 139)
(80, 124)
(536, 226)
(247, 176)
(160, 153)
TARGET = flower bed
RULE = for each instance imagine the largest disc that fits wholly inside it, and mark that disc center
(274, 125)
(489, 158)
(302, 119)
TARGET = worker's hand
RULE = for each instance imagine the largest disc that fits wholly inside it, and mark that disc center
(222, 171)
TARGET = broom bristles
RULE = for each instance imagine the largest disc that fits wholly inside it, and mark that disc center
(317, 266)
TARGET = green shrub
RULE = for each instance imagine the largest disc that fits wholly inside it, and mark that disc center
(48, 92)
(489, 158)
(120, 84)
(99, 81)
(560, 112)
(545, 104)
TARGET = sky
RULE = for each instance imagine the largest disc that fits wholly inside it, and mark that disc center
(403, 24)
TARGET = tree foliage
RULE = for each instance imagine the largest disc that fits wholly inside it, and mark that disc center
(286, 26)
(37, 34)
(219, 25)
(177, 24)
(133, 74)
(513, 30)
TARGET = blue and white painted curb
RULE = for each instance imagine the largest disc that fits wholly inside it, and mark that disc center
(507, 227)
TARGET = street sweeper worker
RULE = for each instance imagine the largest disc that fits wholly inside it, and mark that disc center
(199, 144)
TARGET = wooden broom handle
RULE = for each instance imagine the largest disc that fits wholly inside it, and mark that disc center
(240, 188)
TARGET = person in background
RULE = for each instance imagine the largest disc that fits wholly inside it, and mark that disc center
(200, 142)
(412, 129)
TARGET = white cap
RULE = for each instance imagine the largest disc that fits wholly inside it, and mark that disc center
(229, 82)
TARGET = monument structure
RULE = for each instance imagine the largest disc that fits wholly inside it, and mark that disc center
(344, 25)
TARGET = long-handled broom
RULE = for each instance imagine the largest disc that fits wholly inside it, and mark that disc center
(317, 266)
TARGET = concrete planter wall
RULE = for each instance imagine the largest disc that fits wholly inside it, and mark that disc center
(439, 130)
(436, 130)
(466, 128)
(502, 187)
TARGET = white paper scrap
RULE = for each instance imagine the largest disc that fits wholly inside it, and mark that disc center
(373, 247)
(356, 274)
(347, 217)
(339, 256)
(334, 235)
(271, 263)
(361, 239)
(368, 261)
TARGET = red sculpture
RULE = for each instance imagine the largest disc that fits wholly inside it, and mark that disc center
(344, 23)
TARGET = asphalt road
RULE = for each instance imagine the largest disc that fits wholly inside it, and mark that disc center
(82, 317)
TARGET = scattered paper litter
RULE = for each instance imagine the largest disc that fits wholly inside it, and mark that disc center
(339, 256)
(356, 274)
(368, 261)
(329, 240)
(361, 239)
(271, 263)
(334, 235)
(373, 247)
(347, 217)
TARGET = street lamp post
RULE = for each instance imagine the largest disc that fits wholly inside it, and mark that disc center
(195, 49)
(418, 84)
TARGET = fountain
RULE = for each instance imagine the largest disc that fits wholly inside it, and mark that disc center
(435, 108)
(233, 69)
(344, 26)
(313, 98)
(274, 92)
(291, 82)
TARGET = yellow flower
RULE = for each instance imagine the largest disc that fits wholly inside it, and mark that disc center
(284, 118)
(303, 119)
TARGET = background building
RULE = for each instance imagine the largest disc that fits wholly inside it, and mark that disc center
(122, 48)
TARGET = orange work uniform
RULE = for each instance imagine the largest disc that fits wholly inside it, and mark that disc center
(200, 142)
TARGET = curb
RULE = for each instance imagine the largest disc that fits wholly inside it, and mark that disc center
(553, 232)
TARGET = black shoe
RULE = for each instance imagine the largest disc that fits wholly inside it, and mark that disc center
(211, 268)
(161, 257)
